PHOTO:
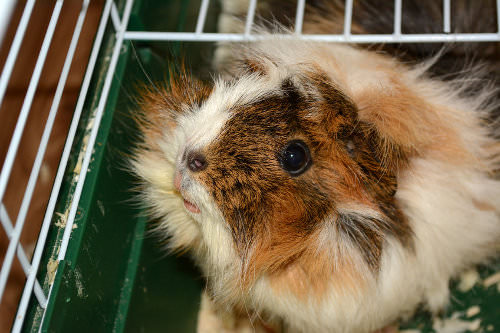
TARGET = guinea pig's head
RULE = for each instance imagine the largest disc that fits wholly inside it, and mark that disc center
(270, 174)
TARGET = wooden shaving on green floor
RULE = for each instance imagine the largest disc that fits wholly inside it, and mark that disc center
(468, 279)
(455, 325)
(472, 311)
(491, 280)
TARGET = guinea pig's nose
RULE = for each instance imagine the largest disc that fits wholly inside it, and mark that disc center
(196, 161)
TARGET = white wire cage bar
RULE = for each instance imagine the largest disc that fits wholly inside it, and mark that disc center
(31, 277)
(111, 13)
(347, 37)
(14, 231)
(13, 148)
(6, 9)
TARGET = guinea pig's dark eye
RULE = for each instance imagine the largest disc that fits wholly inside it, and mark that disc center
(295, 158)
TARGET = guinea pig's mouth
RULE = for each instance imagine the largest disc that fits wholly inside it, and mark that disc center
(191, 207)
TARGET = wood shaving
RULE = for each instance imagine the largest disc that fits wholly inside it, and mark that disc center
(472, 311)
(455, 325)
(467, 280)
(61, 221)
(51, 269)
(491, 280)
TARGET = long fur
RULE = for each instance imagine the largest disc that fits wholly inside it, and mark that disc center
(400, 198)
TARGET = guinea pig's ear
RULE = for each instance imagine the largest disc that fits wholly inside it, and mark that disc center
(400, 113)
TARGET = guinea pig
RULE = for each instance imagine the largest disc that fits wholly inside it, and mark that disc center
(322, 187)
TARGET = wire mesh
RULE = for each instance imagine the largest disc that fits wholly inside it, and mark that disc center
(347, 37)
(110, 13)
(13, 148)
(30, 259)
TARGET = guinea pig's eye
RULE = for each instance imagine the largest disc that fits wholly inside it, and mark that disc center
(295, 158)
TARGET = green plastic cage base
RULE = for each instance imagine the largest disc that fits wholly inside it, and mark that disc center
(116, 277)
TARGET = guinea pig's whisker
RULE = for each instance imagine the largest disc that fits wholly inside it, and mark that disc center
(139, 62)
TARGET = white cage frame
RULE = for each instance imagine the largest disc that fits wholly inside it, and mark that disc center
(119, 23)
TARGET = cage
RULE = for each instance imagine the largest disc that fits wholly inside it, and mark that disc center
(84, 257)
